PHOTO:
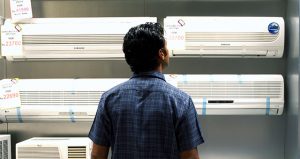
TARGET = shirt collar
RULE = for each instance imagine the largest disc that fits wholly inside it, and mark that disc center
(152, 74)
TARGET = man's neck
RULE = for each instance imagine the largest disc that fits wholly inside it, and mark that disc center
(159, 68)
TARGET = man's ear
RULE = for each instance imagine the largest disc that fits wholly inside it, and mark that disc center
(161, 54)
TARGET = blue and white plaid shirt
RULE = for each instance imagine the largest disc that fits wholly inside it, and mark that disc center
(146, 118)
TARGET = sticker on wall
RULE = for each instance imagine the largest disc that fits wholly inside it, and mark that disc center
(175, 33)
(11, 40)
(20, 9)
(9, 94)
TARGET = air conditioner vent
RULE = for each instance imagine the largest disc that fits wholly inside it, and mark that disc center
(59, 98)
(230, 37)
(76, 152)
(1, 149)
(74, 39)
(5, 149)
(38, 153)
(250, 90)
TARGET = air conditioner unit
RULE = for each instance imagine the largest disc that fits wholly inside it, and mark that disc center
(59, 100)
(5, 147)
(233, 94)
(253, 37)
(76, 100)
(54, 148)
(75, 38)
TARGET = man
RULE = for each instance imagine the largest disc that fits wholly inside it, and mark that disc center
(145, 117)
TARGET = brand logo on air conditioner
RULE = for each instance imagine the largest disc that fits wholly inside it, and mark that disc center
(273, 28)
(79, 48)
(225, 44)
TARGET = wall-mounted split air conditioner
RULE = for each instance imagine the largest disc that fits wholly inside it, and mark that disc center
(252, 37)
(5, 147)
(74, 38)
(54, 148)
(59, 100)
(76, 100)
(233, 94)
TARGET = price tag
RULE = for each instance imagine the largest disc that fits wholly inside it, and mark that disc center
(11, 40)
(9, 94)
(20, 9)
(175, 33)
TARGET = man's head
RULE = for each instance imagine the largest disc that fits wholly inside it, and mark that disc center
(145, 48)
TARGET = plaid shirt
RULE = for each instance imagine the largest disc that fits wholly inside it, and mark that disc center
(146, 118)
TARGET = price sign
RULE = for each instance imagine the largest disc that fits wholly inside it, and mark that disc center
(20, 9)
(11, 40)
(9, 94)
(175, 33)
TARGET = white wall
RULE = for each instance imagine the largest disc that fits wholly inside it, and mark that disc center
(227, 137)
(292, 23)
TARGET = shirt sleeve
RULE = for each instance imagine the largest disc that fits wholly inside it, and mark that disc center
(188, 129)
(100, 132)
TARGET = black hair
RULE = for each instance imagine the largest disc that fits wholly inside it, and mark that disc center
(141, 46)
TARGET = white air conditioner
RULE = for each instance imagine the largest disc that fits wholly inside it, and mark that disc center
(60, 100)
(54, 148)
(233, 94)
(5, 147)
(75, 38)
(76, 100)
(261, 37)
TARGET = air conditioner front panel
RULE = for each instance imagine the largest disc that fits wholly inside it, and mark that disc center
(237, 111)
(75, 38)
(38, 153)
(77, 99)
(58, 113)
(52, 148)
(65, 99)
(215, 93)
(225, 37)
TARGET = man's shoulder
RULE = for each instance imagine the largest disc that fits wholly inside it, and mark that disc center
(115, 89)
(175, 91)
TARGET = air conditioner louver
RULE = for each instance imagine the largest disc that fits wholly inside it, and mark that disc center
(76, 152)
(230, 37)
(38, 153)
(5, 147)
(73, 39)
(59, 98)
(250, 90)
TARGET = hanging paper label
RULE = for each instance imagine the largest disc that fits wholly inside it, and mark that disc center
(20, 9)
(11, 40)
(175, 33)
(9, 94)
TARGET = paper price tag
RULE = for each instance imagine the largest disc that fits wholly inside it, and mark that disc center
(11, 40)
(20, 9)
(175, 34)
(9, 94)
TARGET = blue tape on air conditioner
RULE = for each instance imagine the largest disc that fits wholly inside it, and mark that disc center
(71, 115)
(268, 106)
(204, 106)
(19, 115)
(211, 79)
(240, 79)
(184, 79)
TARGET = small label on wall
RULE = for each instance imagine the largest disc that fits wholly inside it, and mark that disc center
(20, 9)
(9, 94)
(11, 40)
(175, 33)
